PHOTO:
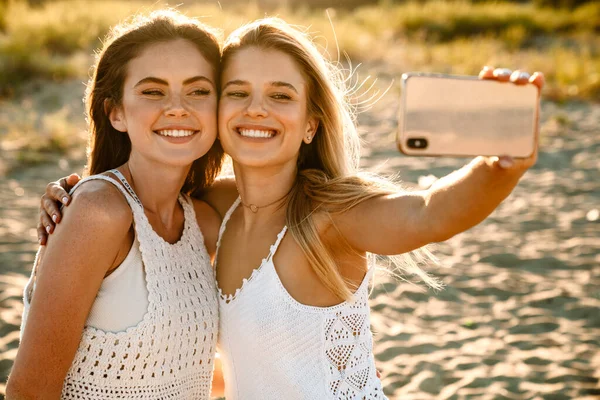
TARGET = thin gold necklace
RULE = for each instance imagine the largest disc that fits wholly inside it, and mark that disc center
(254, 208)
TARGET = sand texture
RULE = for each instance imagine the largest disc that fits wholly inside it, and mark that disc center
(520, 315)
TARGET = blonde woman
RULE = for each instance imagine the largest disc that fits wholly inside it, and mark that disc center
(291, 263)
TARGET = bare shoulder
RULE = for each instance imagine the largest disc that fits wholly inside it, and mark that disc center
(221, 194)
(101, 202)
(209, 222)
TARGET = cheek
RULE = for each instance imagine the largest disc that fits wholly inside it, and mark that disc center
(141, 111)
(226, 109)
(207, 113)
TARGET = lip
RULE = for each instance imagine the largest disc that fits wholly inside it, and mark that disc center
(256, 127)
(176, 127)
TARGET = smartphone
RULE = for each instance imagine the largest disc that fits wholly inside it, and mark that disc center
(461, 116)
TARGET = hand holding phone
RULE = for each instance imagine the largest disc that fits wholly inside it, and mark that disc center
(446, 115)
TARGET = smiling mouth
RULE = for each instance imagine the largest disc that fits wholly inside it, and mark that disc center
(176, 132)
(256, 133)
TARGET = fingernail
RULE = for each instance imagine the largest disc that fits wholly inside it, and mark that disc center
(65, 200)
(48, 229)
(519, 75)
(54, 218)
(504, 163)
(502, 72)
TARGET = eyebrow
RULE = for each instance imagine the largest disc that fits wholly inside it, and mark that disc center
(274, 83)
(152, 79)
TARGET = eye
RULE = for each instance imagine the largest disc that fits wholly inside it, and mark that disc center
(152, 92)
(281, 96)
(238, 94)
(200, 92)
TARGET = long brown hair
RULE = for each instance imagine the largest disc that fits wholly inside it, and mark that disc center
(327, 176)
(109, 148)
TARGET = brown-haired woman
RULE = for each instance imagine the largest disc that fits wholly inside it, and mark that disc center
(122, 301)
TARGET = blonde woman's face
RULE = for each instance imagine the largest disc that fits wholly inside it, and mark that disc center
(263, 116)
(169, 107)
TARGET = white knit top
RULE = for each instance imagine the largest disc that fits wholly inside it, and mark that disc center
(274, 347)
(122, 300)
(169, 354)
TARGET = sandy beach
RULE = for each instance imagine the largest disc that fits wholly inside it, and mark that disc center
(520, 315)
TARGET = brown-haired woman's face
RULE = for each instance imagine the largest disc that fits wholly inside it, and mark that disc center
(263, 116)
(169, 104)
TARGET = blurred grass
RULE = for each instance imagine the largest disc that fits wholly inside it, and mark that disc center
(54, 42)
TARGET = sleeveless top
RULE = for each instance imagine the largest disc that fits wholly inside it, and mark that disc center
(274, 347)
(122, 299)
(169, 354)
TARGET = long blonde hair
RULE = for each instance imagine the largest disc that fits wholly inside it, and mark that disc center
(327, 175)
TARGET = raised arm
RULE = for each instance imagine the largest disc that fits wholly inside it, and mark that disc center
(399, 223)
(81, 251)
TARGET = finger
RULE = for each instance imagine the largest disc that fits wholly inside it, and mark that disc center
(538, 80)
(502, 74)
(56, 192)
(46, 222)
(71, 181)
(505, 162)
(519, 77)
(50, 207)
(486, 72)
(42, 235)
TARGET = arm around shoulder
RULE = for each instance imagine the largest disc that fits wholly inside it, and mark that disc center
(78, 255)
(221, 194)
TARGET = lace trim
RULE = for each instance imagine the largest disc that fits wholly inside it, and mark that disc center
(228, 298)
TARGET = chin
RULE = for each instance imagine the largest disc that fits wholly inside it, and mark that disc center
(182, 160)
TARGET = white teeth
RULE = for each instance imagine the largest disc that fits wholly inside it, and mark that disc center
(256, 133)
(176, 132)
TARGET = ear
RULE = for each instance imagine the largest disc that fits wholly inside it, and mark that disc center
(115, 115)
(311, 130)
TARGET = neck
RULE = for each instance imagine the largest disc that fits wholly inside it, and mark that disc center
(157, 186)
(260, 187)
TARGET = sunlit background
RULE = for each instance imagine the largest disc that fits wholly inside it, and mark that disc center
(520, 316)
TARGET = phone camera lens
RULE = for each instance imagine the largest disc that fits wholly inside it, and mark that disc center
(417, 143)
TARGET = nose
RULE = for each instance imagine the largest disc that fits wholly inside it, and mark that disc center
(176, 108)
(256, 107)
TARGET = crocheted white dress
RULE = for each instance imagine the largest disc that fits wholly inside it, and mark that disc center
(274, 347)
(170, 353)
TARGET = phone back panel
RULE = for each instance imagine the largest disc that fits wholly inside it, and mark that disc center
(443, 115)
